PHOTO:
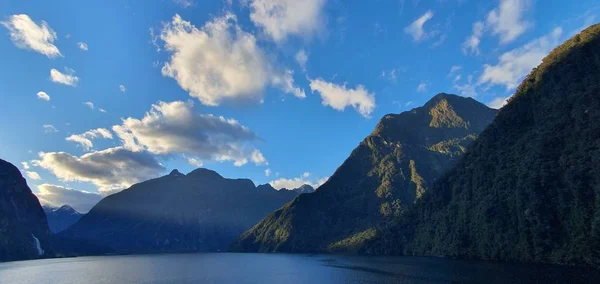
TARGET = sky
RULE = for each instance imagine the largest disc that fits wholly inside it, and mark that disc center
(99, 95)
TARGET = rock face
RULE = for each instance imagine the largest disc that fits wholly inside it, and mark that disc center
(529, 188)
(24, 232)
(383, 177)
(304, 189)
(200, 211)
(61, 218)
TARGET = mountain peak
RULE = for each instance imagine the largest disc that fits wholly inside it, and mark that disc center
(175, 172)
(204, 173)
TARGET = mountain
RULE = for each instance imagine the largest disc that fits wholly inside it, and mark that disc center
(305, 188)
(200, 211)
(383, 177)
(61, 218)
(529, 188)
(24, 232)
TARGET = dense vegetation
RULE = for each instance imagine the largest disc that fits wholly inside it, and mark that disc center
(528, 189)
(381, 180)
(24, 232)
(200, 211)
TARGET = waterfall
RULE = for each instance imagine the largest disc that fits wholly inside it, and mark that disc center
(37, 245)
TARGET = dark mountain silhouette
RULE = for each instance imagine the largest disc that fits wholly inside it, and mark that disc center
(24, 232)
(61, 218)
(383, 177)
(200, 211)
(529, 188)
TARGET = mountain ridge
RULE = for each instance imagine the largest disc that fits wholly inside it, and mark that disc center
(381, 178)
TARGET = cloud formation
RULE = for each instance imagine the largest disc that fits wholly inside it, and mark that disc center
(43, 96)
(515, 64)
(49, 128)
(56, 196)
(416, 29)
(111, 169)
(472, 43)
(85, 139)
(280, 19)
(89, 104)
(219, 62)
(67, 78)
(506, 20)
(26, 34)
(173, 128)
(83, 46)
(339, 97)
(33, 175)
(297, 182)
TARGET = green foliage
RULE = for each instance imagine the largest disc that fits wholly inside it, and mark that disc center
(528, 189)
(380, 180)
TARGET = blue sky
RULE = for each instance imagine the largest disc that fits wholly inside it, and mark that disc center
(98, 95)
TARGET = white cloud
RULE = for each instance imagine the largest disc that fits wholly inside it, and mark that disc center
(514, 65)
(85, 139)
(282, 18)
(101, 110)
(416, 29)
(453, 69)
(64, 78)
(173, 128)
(422, 87)
(456, 79)
(195, 162)
(83, 46)
(297, 182)
(285, 82)
(33, 175)
(390, 75)
(506, 20)
(220, 62)
(301, 57)
(257, 158)
(184, 3)
(110, 169)
(26, 34)
(122, 89)
(89, 104)
(43, 96)
(472, 43)
(56, 196)
(340, 97)
(267, 172)
(468, 89)
(498, 102)
(25, 165)
(48, 128)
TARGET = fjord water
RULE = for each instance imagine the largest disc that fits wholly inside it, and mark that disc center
(282, 268)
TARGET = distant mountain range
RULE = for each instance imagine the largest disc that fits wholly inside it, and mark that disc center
(61, 218)
(24, 231)
(200, 211)
(452, 178)
(383, 177)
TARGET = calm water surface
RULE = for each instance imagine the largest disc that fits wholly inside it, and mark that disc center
(281, 268)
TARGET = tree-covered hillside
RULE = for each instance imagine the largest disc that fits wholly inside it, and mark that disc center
(383, 177)
(529, 187)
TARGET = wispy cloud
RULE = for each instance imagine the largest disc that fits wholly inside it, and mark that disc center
(67, 78)
(26, 34)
